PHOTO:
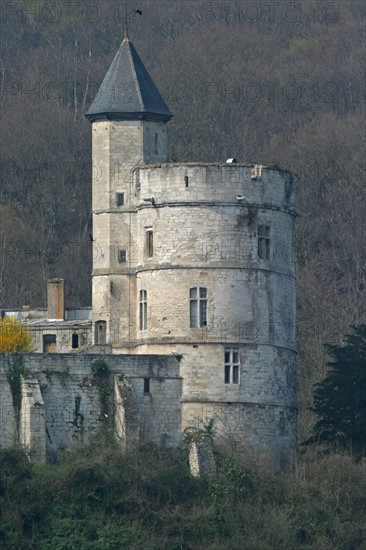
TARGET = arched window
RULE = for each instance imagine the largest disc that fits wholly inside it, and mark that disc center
(198, 307)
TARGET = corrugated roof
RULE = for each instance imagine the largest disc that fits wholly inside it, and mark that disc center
(128, 91)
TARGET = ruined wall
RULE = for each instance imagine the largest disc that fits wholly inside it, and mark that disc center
(32, 428)
(266, 432)
(74, 402)
(8, 420)
(201, 457)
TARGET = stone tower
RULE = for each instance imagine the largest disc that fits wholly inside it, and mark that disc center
(196, 260)
(129, 119)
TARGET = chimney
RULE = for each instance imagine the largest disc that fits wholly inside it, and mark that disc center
(55, 300)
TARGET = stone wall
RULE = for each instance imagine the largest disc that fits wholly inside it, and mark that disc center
(118, 147)
(32, 429)
(63, 331)
(74, 403)
(206, 221)
(266, 432)
(201, 457)
(8, 420)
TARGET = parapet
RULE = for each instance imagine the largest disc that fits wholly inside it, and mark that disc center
(216, 183)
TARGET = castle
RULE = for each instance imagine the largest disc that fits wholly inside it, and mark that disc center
(193, 294)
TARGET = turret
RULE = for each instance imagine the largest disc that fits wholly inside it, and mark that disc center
(128, 117)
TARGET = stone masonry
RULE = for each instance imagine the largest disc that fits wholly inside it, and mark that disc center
(61, 403)
(195, 259)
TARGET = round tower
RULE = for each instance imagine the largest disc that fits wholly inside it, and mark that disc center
(215, 283)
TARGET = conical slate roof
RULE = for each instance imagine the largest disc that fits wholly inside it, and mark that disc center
(128, 91)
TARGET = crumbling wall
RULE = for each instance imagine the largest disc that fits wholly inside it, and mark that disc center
(201, 457)
(32, 420)
(127, 419)
(8, 428)
(63, 402)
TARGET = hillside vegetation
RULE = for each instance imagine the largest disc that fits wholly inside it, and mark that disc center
(279, 83)
(99, 498)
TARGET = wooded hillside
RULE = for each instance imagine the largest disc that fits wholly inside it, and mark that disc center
(268, 82)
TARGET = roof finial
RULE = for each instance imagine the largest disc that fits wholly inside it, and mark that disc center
(139, 12)
(125, 39)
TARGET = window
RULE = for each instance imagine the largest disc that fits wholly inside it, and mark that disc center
(186, 181)
(146, 385)
(143, 310)
(121, 255)
(120, 199)
(232, 364)
(75, 341)
(149, 243)
(49, 343)
(198, 307)
(156, 144)
(263, 242)
(100, 333)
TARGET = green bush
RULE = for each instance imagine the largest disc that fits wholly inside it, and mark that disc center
(100, 498)
(100, 368)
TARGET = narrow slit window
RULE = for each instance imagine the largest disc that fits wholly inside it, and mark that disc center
(186, 181)
(143, 310)
(146, 385)
(149, 243)
(75, 341)
(263, 242)
(156, 143)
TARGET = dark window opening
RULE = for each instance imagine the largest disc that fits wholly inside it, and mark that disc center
(156, 144)
(75, 341)
(149, 243)
(143, 310)
(121, 255)
(146, 385)
(186, 180)
(49, 343)
(263, 242)
(227, 374)
(120, 199)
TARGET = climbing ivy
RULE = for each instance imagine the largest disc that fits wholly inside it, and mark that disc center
(195, 433)
(15, 370)
(101, 373)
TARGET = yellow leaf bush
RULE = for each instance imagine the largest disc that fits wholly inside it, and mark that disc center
(14, 336)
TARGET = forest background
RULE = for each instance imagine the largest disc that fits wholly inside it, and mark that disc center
(266, 82)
